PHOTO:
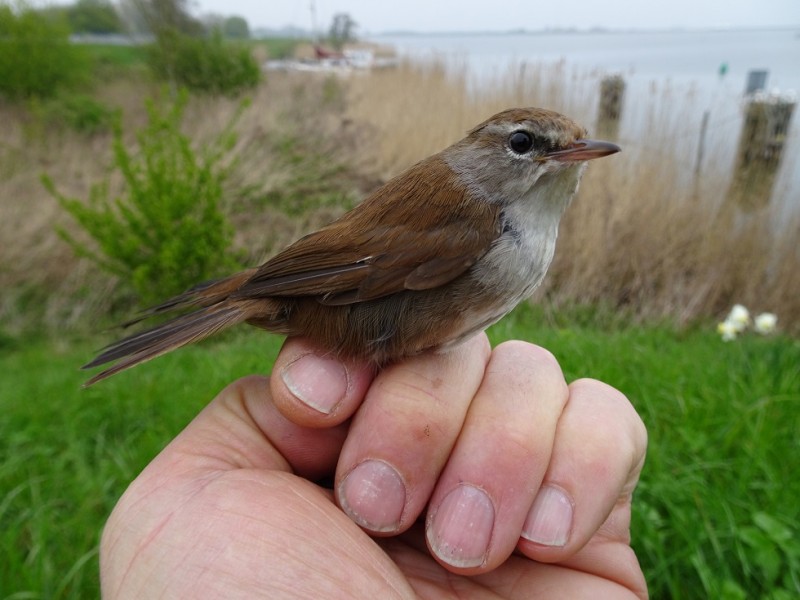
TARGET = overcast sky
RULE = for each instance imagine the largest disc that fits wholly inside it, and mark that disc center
(375, 16)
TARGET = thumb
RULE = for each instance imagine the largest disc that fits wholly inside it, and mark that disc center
(242, 429)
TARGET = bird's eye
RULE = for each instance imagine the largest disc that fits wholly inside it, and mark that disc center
(520, 142)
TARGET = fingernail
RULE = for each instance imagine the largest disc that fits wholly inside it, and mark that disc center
(461, 528)
(320, 383)
(374, 495)
(550, 518)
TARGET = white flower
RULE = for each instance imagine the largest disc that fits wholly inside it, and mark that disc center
(728, 330)
(765, 323)
(739, 317)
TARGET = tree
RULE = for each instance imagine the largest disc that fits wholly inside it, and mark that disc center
(164, 16)
(36, 57)
(187, 53)
(205, 64)
(169, 22)
(342, 30)
(236, 27)
(93, 16)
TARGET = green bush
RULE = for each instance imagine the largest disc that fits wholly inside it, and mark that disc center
(109, 60)
(94, 16)
(79, 112)
(166, 231)
(279, 47)
(36, 56)
(208, 65)
(85, 114)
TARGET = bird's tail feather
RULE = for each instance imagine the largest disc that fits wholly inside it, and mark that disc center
(182, 330)
(207, 293)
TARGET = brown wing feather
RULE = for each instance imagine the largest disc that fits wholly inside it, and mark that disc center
(387, 244)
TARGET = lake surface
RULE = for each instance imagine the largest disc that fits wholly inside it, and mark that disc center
(688, 63)
(681, 56)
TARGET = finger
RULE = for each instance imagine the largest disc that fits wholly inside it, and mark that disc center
(484, 494)
(243, 428)
(313, 388)
(597, 457)
(403, 433)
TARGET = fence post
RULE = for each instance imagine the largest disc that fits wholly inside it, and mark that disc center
(761, 145)
(612, 94)
(756, 81)
(701, 152)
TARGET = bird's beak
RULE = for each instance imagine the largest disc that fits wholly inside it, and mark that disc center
(583, 150)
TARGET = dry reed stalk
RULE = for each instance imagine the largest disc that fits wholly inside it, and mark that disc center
(35, 263)
(640, 235)
(31, 254)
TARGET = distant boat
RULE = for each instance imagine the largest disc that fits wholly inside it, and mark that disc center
(342, 62)
(327, 61)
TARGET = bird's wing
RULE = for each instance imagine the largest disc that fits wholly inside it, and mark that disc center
(417, 232)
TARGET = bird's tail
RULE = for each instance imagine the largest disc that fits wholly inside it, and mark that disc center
(214, 315)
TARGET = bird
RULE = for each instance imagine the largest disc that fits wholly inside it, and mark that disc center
(430, 258)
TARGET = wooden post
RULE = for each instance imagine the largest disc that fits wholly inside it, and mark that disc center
(701, 151)
(761, 144)
(756, 81)
(612, 94)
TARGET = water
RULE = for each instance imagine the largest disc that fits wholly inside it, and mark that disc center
(681, 56)
(688, 63)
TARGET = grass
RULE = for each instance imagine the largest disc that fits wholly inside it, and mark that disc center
(717, 506)
(116, 57)
(67, 453)
(276, 48)
(715, 515)
(120, 57)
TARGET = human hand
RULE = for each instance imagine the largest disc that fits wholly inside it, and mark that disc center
(525, 485)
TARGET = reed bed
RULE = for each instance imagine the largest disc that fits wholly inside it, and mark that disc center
(644, 235)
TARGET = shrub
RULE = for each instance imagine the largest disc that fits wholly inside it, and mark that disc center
(36, 57)
(85, 114)
(94, 16)
(208, 65)
(167, 230)
(79, 112)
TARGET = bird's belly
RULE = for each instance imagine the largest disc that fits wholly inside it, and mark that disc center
(475, 321)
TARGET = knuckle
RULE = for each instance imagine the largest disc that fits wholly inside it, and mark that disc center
(630, 434)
